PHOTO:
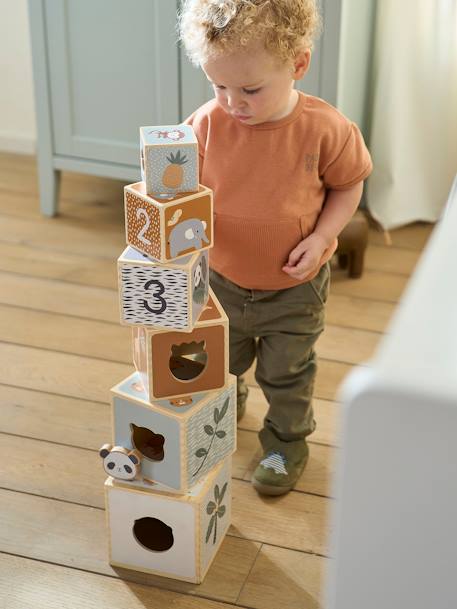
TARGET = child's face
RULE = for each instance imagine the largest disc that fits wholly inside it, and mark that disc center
(252, 86)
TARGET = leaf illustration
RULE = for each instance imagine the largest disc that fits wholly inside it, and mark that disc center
(220, 434)
(216, 493)
(224, 409)
(210, 527)
(201, 452)
(224, 488)
(216, 415)
(221, 511)
(210, 507)
(209, 430)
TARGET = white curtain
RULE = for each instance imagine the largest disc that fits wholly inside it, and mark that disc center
(413, 133)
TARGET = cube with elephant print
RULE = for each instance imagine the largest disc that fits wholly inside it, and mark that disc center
(165, 229)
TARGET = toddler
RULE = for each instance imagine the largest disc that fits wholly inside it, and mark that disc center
(287, 172)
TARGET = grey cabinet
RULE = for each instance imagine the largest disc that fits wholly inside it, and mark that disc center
(102, 68)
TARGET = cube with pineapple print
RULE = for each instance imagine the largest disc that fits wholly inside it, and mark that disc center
(169, 228)
(173, 364)
(166, 534)
(162, 296)
(180, 439)
(169, 159)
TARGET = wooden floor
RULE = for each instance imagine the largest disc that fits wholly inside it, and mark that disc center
(62, 348)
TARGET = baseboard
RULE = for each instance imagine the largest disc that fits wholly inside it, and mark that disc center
(13, 142)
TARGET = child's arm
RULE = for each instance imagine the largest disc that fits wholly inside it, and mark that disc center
(339, 207)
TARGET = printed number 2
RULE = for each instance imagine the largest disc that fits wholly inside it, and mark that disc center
(160, 290)
(140, 212)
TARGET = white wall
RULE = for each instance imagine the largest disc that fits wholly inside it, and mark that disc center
(17, 113)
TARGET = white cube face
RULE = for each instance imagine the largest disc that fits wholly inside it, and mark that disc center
(151, 532)
(215, 515)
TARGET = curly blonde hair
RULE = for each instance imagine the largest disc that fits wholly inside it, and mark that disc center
(211, 27)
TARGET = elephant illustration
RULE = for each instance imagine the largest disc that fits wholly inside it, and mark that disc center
(187, 234)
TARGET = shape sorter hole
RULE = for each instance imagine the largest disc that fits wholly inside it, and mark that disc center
(188, 360)
(149, 444)
(153, 534)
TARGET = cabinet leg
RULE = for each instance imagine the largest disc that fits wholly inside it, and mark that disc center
(49, 179)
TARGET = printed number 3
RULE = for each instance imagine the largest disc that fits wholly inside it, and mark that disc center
(140, 212)
(160, 290)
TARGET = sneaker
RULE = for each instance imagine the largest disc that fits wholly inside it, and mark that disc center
(277, 474)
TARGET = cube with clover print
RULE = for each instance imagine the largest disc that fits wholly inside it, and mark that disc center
(168, 534)
(169, 159)
(162, 296)
(165, 229)
(179, 440)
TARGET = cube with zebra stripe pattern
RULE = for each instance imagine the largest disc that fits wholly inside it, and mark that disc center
(162, 296)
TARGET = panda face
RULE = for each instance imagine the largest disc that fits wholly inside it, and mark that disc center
(120, 463)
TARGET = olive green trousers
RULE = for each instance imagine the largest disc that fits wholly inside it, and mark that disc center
(280, 329)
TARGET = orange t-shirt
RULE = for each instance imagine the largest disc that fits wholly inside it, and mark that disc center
(270, 182)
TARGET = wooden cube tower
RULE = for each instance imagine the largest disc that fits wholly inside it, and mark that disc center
(168, 493)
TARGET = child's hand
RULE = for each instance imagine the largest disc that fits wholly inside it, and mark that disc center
(308, 256)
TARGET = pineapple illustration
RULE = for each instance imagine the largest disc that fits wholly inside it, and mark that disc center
(173, 175)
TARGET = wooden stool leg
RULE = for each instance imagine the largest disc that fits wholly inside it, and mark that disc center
(356, 263)
(343, 261)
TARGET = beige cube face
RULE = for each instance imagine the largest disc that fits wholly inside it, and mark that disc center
(173, 364)
(170, 228)
(162, 296)
(166, 534)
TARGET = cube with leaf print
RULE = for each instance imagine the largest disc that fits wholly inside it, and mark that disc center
(179, 439)
(167, 534)
(168, 228)
(169, 159)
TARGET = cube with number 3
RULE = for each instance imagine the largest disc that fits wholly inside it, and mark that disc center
(170, 228)
(162, 296)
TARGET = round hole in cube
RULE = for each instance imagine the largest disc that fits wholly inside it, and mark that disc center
(153, 534)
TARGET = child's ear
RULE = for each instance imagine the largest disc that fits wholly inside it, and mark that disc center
(301, 63)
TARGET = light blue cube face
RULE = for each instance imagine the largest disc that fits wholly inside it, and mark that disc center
(153, 294)
(169, 160)
(155, 435)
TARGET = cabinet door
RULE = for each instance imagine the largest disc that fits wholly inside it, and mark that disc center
(113, 66)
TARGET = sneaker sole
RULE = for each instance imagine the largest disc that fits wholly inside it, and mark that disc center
(266, 489)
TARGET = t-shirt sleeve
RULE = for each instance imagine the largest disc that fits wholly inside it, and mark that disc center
(348, 163)
(199, 123)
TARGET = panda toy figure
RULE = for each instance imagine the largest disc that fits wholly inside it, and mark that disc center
(120, 463)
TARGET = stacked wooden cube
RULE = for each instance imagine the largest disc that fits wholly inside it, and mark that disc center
(168, 494)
